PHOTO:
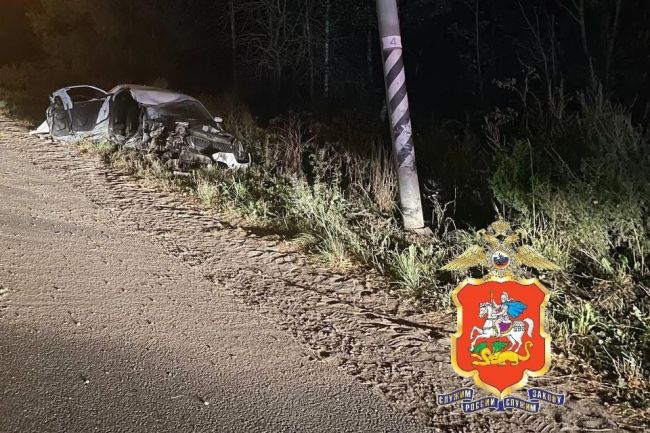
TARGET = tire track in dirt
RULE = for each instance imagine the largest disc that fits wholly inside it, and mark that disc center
(350, 320)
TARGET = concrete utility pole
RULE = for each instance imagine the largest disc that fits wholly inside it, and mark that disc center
(400, 118)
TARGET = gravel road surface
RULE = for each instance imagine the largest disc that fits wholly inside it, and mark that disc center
(101, 331)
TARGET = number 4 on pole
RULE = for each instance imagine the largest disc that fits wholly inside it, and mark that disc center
(400, 118)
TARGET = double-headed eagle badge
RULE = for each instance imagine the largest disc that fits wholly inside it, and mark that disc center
(500, 339)
(498, 253)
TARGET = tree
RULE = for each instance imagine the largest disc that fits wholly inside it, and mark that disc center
(233, 41)
(472, 37)
(326, 77)
(270, 38)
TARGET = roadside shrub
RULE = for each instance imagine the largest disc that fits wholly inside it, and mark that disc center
(102, 148)
(580, 187)
(207, 193)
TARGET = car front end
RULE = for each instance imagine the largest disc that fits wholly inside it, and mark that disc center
(185, 131)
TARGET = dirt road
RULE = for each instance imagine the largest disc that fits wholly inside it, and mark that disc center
(102, 331)
(132, 310)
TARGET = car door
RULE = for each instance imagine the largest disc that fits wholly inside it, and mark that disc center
(58, 116)
(87, 102)
(75, 110)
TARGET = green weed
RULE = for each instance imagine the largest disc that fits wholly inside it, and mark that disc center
(589, 217)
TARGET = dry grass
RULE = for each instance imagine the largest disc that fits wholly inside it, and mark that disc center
(340, 204)
(102, 148)
(207, 193)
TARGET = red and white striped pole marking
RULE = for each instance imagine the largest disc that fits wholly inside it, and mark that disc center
(400, 118)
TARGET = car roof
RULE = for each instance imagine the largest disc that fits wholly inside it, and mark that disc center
(149, 96)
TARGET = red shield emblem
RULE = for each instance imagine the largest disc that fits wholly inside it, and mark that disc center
(500, 338)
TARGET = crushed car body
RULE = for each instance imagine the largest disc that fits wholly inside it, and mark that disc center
(171, 124)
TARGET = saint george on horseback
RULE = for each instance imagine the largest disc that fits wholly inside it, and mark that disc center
(508, 308)
(498, 322)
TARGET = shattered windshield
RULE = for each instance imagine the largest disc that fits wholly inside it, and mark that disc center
(185, 110)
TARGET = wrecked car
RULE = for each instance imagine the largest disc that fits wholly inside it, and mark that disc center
(173, 125)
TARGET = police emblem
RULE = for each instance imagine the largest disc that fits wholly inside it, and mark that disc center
(500, 339)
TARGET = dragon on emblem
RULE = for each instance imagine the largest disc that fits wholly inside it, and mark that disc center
(498, 356)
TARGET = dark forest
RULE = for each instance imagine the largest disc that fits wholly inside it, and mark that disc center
(463, 58)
